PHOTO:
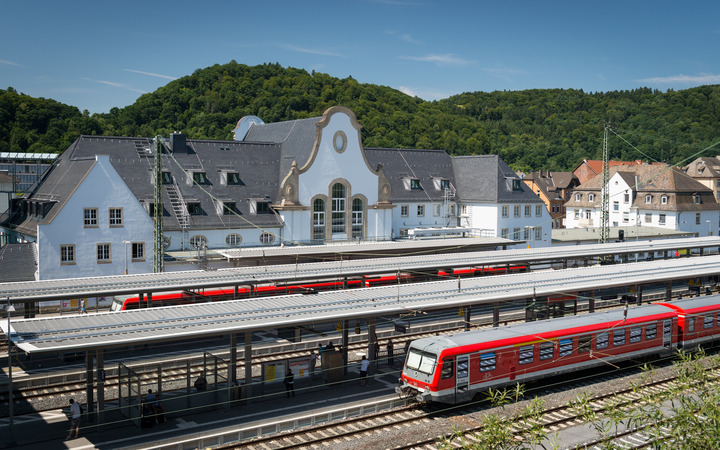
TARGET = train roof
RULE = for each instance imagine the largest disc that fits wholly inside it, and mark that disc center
(696, 304)
(524, 333)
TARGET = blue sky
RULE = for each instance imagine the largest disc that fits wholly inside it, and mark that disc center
(99, 54)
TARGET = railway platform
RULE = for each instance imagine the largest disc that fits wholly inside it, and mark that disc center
(272, 410)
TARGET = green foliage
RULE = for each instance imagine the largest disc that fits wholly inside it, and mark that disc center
(534, 129)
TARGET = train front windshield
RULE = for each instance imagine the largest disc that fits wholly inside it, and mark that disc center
(423, 362)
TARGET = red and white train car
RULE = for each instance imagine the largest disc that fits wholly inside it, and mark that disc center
(452, 369)
(698, 320)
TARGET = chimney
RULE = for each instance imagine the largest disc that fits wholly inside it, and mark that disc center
(177, 142)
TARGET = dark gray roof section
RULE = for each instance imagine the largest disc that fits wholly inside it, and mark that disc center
(18, 262)
(424, 165)
(295, 137)
(487, 179)
(105, 330)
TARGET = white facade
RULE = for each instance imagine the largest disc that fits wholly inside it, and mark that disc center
(68, 243)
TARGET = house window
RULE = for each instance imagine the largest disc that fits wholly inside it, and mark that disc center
(578, 197)
(664, 200)
(338, 208)
(538, 210)
(90, 217)
(504, 233)
(626, 217)
(661, 219)
(463, 210)
(697, 218)
(505, 211)
(198, 241)
(577, 214)
(319, 219)
(626, 198)
(194, 209)
(445, 184)
(528, 210)
(516, 234)
(116, 217)
(199, 178)
(404, 210)
(452, 210)
(648, 217)
(67, 254)
(696, 198)
(516, 185)
(103, 253)
(591, 197)
(516, 210)
(526, 234)
(233, 240)
(167, 178)
(538, 233)
(414, 183)
(648, 199)
(233, 178)
(229, 208)
(138, 251)
(151, 209)
(436, 210)
(616, 206)
(421, 210)
(267, 238)
(588, 214)
(357, 218)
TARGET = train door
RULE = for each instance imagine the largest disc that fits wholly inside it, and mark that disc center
(462, 378)
(667, 333)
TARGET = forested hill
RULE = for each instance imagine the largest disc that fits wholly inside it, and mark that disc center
(533, 129)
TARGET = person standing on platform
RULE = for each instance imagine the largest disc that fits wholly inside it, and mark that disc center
(82, 306)
(75, 414)
(289, 383)
(313, 363)
(364, 364)
(389, 348)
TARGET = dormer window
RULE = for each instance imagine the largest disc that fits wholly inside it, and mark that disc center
(516, 185)
(591, 197)
(664, 200)
(233, 178)
(444, 184)
(696, 199)
(578, 197)
(260, 206)
(414, 183)
(194, 209)
(167, 178)
(199, 178)
(648, 199)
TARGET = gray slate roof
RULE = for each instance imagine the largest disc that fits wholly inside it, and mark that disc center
(487, 178)
(18, 262)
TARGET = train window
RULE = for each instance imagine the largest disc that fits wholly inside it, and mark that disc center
(462, 367)
(618, 338)
(421, 361)
(487, 362)
(584, 343)
(448, 369)
(601, 341)
(635, 334)
(547, 350)
(526, 354)
(566, 347)
(650, 331)
(708, 321)
(690, 323)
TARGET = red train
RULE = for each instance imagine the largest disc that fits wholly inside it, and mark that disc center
(453, 368)
(123, 303)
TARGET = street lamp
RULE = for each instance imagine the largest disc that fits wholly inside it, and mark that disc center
(126, 247)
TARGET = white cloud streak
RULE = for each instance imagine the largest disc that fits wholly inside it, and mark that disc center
(151, 74)
(10, 63)
(117, 85)
(447, 59)
(310, 51)
(702, 78)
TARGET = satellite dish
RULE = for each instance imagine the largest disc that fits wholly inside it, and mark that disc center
(243, 126)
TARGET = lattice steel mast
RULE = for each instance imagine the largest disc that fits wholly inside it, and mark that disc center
(158, 247)
(605, 209)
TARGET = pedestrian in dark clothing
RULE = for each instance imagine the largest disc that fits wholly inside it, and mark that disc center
(377, 350)
(389, 348)
(289, 383)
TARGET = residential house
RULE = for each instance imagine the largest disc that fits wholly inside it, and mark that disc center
(554, 189)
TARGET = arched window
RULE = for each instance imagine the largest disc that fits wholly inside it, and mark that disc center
(357, 218)
(198, 241)
(338, 208)
(318, 220)
(233, 240)
(267, 238)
